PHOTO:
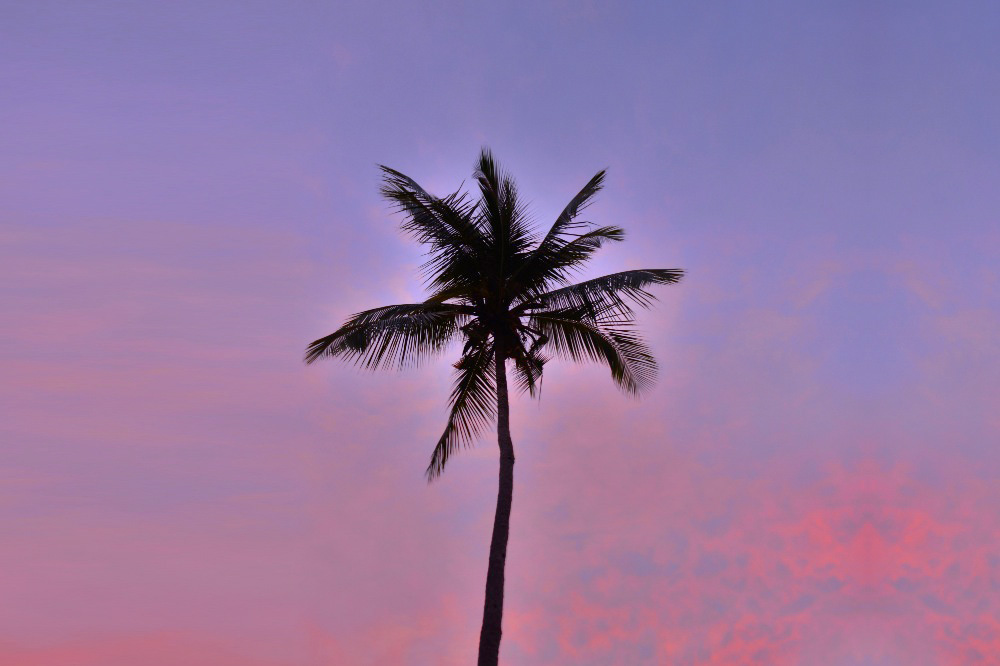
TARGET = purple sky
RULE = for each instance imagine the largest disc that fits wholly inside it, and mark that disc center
(189, 195)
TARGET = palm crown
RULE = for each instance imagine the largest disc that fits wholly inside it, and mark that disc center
(505, 289)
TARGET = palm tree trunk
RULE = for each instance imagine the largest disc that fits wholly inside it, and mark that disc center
(489, 636)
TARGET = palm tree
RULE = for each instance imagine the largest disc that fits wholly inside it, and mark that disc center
(504, 290)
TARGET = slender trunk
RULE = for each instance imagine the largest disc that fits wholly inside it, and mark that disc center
(489, 636)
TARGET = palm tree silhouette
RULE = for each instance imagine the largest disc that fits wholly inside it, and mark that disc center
(505, 290)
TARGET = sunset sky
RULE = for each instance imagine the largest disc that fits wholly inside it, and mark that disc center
(189, 195)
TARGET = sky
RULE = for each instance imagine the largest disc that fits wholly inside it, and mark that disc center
(189, 195)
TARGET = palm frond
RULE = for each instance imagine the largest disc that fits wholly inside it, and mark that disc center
(473, 405)
(433, 220)
(557, 260)
(400, 335)
(448, 226)
(608, 296)
(504, 215)
(528, 367)
(537, 267)
(572, 335)
(567, 218)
